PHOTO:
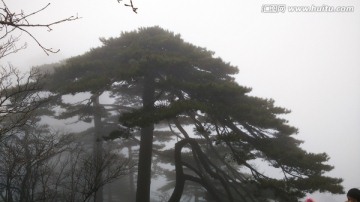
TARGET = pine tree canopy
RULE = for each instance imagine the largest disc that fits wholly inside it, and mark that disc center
(192, 87)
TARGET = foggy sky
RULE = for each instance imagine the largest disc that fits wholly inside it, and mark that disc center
(307, 62)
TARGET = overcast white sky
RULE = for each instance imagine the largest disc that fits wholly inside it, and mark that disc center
(308, 62)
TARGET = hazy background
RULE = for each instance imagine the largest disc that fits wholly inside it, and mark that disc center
(306, 62)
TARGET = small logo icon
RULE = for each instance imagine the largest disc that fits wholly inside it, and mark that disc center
(273, 8)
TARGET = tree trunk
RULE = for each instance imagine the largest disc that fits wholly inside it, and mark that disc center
(25, 188)
(146, 143)
(98, 150)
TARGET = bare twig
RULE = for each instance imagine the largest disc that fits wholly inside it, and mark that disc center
(131, 5)
(20, 96)
(11, 21)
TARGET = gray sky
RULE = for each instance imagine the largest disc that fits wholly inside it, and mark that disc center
(308, 62)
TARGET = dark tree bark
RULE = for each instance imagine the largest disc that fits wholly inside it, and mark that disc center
(146, 143)
(181, 177)
(203, 172)
(98, 150)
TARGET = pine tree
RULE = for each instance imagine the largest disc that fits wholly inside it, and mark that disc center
(159, 78)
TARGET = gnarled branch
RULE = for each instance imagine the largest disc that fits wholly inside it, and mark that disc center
(11, 21)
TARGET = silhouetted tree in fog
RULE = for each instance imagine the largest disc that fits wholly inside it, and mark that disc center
(37, 164)
(20, 95)
(163, 80)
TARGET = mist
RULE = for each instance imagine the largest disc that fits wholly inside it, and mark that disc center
(308, 62)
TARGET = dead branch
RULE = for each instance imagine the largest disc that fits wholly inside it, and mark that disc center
(11, 21)
(20, 96)
(131, 5)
